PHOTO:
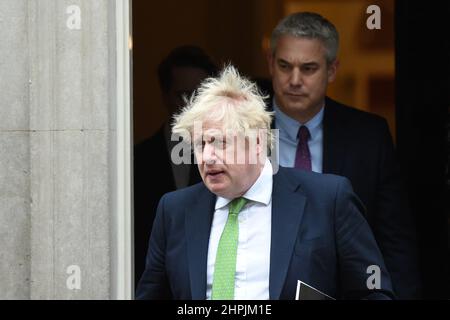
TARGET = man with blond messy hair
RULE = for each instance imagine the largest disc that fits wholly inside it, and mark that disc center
(244, 233)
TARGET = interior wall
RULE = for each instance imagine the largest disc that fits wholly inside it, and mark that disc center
(55, 167)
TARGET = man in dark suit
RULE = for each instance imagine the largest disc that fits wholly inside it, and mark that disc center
(179, 74)
(322, 135)
(243, 233)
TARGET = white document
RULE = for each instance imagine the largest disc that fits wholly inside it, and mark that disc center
(307, 292)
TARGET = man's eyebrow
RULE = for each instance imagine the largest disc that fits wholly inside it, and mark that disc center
(303, 64)
(281, 60)
(310, 64)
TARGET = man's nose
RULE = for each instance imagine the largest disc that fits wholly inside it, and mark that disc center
(296, 78)
(209, 154)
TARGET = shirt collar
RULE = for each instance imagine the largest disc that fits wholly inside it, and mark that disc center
(260, 191)
(291, 126)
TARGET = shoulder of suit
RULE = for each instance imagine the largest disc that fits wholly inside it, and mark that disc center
(308, 179)
(187, 194)
(353, 114)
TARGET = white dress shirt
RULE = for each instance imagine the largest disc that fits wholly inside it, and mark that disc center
(288, 138)
(253, 251)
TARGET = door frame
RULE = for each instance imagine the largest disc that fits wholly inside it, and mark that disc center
(122, 244)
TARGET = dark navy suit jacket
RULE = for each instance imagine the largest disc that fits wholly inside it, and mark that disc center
(357, 145)
(318, 236)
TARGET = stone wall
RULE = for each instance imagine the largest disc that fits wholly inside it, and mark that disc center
(56, 141)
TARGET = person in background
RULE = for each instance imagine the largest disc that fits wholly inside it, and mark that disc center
(322, 135)
(179, 74)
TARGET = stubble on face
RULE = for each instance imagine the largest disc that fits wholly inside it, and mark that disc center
(300, 76)
(219, 168)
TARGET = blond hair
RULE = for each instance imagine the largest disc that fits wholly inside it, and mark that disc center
(230, 99)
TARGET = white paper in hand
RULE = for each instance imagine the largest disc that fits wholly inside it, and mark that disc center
(307, 292)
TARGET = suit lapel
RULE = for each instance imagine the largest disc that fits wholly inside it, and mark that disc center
(287, 211)
(198, 221)
(334, 140)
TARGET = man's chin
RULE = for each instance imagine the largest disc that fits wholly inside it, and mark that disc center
(297, 103)
(215, 187)
(294, 104)
(219, 190)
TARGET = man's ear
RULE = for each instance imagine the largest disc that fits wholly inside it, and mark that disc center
(261, 145)
(258, 145)
(332, 70)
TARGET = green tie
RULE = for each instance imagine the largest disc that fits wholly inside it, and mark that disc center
(225, 266)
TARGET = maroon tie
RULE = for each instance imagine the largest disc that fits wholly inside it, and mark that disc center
(302, 156)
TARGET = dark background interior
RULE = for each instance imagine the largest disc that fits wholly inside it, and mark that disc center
(422, 110)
